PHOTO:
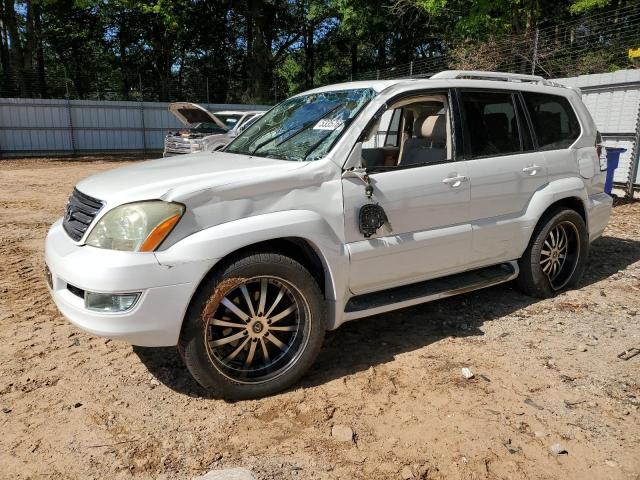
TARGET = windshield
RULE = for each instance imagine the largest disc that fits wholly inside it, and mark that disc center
(211, 127)
(303, 127)
(208, 127)
(229, 120)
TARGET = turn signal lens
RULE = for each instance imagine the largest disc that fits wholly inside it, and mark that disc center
(158, 234)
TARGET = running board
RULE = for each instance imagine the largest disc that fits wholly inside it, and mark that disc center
(429, 290)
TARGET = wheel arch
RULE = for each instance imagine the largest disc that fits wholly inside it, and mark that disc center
(301, 234)
(570, 202)
(565, 192)
(300, 249)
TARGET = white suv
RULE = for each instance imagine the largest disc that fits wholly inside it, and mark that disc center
(339, 203)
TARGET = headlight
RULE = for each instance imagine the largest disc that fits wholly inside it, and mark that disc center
(136, 227)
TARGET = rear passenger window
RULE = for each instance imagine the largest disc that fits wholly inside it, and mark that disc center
(554, 121)
(491, 123)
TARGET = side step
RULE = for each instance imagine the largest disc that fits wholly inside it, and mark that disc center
(429, 290)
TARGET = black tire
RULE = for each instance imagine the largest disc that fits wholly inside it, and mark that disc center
(533, 280)
(202, 343)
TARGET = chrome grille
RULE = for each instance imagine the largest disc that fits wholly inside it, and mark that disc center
(177, 144)
(80, 212)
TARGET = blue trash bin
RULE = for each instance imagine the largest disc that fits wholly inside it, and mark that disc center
(613, 158)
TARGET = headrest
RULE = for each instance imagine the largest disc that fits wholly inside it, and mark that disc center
(417, 125)
(435, 128)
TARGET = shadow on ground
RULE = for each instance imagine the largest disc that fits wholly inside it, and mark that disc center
(356, 346)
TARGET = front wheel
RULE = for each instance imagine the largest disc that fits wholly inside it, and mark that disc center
(556, 256)
(254, 327)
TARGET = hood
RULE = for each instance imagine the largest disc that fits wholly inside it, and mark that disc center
(191, 114)
(170, 178)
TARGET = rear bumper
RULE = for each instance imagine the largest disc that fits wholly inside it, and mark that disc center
(599, 211)
(165, 292)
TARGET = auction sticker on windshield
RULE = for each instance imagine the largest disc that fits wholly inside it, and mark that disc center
(328, 124)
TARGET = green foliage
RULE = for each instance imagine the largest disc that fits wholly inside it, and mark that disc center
(263, 50)
(579, 6)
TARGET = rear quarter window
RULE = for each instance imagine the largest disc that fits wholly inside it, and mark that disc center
(554, 121)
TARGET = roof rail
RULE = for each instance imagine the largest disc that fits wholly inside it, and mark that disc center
(501, 76)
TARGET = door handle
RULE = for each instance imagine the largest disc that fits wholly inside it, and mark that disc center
(531, 169)
(455, 181)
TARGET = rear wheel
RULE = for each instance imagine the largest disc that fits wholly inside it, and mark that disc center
(254, 328)
(556, 256)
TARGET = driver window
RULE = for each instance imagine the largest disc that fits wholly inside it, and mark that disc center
(411, 132)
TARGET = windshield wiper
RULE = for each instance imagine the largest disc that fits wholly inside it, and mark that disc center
(270, 140)
(305, 126)
(321, 141)
(310, 123)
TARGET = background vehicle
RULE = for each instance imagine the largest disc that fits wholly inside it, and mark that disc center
(204, 130)
(245, 257)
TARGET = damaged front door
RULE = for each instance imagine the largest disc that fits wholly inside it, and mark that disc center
(429, 229)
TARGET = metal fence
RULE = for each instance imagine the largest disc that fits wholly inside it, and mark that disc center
(37, 127)
(613, 99)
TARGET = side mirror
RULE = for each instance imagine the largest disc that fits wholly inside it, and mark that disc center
(372, 216)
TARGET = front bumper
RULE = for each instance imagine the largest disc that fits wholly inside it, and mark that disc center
(156, 318)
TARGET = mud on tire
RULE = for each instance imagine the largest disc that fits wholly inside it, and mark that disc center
(254, 326)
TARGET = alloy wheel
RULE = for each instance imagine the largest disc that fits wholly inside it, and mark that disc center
(257, 330)
(559, 254)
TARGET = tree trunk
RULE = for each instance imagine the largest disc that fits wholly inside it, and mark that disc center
(162, 61)
(29, 49)
(354, 60)
(122, 49)
(42, 81)
(309, 60)
(4, 44)
(16, 52)
(259, 57)
(382, 53)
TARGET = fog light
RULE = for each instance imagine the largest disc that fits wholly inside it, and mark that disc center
(110, 302)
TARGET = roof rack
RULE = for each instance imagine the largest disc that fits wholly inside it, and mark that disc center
(500, 76)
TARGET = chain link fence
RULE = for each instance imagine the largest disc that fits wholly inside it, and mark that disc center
(591, 44)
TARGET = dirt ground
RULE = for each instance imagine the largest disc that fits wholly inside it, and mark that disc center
(546, 372)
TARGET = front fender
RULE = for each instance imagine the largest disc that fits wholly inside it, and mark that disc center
(215, 243)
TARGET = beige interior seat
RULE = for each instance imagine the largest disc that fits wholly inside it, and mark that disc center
(429, 143)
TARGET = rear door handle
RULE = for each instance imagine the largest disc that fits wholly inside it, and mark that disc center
(455, 181)
(531, 169)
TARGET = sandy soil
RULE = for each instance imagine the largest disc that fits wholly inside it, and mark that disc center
(546, 372)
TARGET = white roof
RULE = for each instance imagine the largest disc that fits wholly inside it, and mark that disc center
(377, 85)
(446, 77)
